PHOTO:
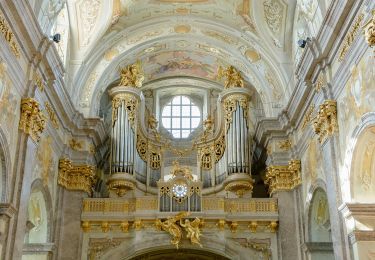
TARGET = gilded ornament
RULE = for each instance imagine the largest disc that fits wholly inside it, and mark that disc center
(138, 225)
(308, 117)
(193, 231)
(230, 106)
(283, 178)
(120, 186)
(233, 78)
(130, 103)
(132, 75)
(86, 226)
(124, 226)
(142, 147)
(206, 158)
(240, 187)
(9, 36)
(273, 226)
(285, 145)
(171, 226)
(77, 177)
(253, 226)
(320, 82)
(219, 147)
(178, 170)
(325, 122)
(52, 115)
(32, 120)
(370, 31)
(350, 37)
(105, 226)
(221, 224)
(75, 144)
(233, 226)
(38, 82)
(155, 160)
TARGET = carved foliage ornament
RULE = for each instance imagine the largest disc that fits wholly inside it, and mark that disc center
(325, 122)
(9, 36)
(273, 12)
(132, 75)
(52, 115)
(78, 177)
(32, 120)
(130, 103)
(350, 37)
(230, 106)
(370, 31)
(285, 177)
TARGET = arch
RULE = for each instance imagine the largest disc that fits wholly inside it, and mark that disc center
(156, 241)
(40, 202)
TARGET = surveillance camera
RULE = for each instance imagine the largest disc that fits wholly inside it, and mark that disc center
(56, 38)
(302, 43)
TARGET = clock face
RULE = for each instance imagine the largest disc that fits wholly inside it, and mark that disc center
(179, 190)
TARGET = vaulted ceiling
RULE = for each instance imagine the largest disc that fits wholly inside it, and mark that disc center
(182, 39)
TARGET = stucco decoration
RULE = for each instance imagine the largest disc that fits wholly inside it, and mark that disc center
(319, 222)
(273, 12)
(87, 11)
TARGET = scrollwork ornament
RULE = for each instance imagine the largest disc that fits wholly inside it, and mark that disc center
(370, 31)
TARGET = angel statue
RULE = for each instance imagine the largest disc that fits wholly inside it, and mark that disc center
(193, 231)
(172, 228)
(132, 75)
(232, 77)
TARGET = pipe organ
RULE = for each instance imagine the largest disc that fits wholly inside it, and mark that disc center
(136, 146)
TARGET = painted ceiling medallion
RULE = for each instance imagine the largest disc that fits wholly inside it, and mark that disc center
(252, 55)
(182, 28)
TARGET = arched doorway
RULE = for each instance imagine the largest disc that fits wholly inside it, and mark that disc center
(181, 254)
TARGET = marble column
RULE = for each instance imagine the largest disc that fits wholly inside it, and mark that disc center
(71, 233)
(339, 238)
(289, 230)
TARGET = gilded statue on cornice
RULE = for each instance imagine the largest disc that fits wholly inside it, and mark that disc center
(193, 231)
(170, 225)
(232, 77)
(178, 170)
(132, 75)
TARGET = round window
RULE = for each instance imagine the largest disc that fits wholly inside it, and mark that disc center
(181, 117)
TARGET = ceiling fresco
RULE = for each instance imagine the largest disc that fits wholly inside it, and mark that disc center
(181, 38)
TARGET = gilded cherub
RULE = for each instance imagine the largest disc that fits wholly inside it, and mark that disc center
(193, 231)
(232, 77)
(132, 75)
(170, 225)
(179, 170)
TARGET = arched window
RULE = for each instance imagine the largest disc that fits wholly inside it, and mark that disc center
(181, 117)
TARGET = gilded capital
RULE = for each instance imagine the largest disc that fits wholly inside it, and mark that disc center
(325, 122)
(132, 75)
(32, 120)
(76, 177)
(232, 77)
(283, 177)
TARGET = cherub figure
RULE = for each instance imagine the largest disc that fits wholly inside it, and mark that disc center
(132, 75)
(172, 228)
(193, 231)
(232, 77)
